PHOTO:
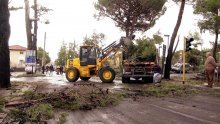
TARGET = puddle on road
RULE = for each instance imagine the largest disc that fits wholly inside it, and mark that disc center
(104, 116)
(117, 85)
(61, 80)
(52, 79)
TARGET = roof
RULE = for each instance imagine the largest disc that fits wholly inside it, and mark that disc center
(17, 47)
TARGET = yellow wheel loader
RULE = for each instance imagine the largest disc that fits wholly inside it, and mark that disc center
(91, 62)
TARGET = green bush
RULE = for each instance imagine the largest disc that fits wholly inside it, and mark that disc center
(40, 112)
(168, 89)
(31, 95)
(32, 114)
(62, 118)
(2, 103)
(110, 99)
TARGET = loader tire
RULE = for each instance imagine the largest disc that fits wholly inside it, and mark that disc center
(107, 75)
(72, 74)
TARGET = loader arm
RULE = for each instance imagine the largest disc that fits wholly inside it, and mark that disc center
(112, 48)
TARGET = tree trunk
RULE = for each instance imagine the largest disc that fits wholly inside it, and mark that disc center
(4, 50)
(172, 40)
(35, 28)
(28, 25)
(215, 44)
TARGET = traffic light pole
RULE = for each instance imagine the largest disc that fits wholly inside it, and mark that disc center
(184, 59)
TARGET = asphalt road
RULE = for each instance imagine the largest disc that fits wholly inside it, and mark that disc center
(143, 110)
(195, 110)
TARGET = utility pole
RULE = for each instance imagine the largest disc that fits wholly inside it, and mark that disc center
(163, 59)
(166, 53)
(168, 40)
(184, 59)
(186, 47)
(44, 52)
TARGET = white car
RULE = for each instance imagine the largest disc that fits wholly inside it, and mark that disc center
(29, 68)
(178, 67)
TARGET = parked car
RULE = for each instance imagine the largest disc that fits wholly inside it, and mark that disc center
(30, 68)
(178, 67)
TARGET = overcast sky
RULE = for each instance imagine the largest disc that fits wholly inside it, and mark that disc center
(73, 19)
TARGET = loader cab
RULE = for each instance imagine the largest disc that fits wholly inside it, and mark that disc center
(88, 55)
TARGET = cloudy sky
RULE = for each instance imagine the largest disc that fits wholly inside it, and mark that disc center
(73, 19)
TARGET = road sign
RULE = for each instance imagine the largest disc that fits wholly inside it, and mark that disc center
(30, 57)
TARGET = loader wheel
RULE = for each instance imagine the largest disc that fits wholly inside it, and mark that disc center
(125, 79)
(107, 75)
(85, 78)
(72, 74)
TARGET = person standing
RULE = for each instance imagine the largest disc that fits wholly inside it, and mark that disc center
(43, 69)
(61, 69)
(51, 69)
(210, 66)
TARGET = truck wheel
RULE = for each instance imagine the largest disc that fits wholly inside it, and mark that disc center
(85, 78)
(125, 79)
(72, 74)
(107, 75)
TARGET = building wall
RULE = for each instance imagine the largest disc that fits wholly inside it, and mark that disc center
(17, 58)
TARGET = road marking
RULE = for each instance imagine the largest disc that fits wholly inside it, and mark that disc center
(185, 115)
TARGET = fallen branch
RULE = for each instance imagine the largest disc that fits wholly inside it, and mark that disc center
(18, 103)
(31, 102)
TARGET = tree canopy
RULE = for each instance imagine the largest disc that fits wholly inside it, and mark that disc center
(96, 39)
(40, 53)
(194, 57)
(211, 21)
(131, 15)
(66, 52)
(144, 49)
(157, 38)
(209, 10)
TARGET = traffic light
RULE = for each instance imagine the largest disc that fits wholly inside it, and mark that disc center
(188, 44)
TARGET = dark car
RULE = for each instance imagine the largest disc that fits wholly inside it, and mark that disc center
(178, 67)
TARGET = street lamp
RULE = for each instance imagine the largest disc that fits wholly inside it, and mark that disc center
(168, 36)
(164, 64)
(44, 62)
(159, 54)
(44, 52)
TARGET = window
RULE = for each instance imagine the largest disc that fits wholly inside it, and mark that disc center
(92, 53)
(21, 52)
